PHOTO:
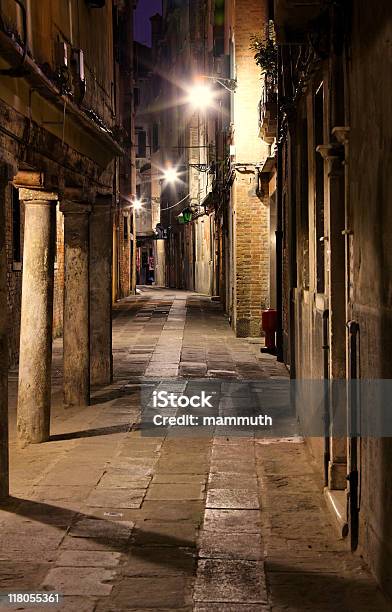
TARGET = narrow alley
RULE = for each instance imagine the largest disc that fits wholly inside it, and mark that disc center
(195, 305)
(115, 520)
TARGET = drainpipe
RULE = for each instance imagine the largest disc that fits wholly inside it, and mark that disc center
(327, 453)
(352, 405)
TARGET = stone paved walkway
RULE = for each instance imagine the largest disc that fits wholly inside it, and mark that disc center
(117, 521)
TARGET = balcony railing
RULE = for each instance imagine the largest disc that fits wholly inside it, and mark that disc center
(268, 109)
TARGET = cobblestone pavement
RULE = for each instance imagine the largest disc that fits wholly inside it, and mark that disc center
(114, 520)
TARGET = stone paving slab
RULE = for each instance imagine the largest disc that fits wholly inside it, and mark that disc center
(91, 581)
(162, 592)
(173, 491)
(232, 521)
(225, 480)
(232, 498)
(100, 529)
(76, 558)
(230, 581)
(160, 561)
(216, 545)
(173, 510)
(116, 498)
(181, 534)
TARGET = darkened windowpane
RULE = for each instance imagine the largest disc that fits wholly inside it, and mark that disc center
(141, 143)
(219, 28)
(136, 96)
(155, 137)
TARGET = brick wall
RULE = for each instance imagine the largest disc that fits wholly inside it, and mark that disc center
(251, 257)
(124, 257)
(251, 214)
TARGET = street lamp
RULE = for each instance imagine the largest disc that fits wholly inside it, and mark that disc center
(229, 84)
(201, 96)
(137, 205)
(171, 175)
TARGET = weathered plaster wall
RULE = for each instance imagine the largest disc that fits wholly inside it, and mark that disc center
(36, 132)
(371, 212)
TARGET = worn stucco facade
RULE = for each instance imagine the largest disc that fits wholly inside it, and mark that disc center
(334, 203)
(64, 133)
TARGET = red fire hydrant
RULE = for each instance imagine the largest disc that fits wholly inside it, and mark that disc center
(268, 324)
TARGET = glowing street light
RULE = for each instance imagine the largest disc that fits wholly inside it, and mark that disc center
(201, 96)
(137, 204)
(170, 174)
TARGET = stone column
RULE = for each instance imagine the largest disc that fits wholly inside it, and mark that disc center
(333, 154)
(101, 248)
(76, 304)
(35, 357)
(5, 176)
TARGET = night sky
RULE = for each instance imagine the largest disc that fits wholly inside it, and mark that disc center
(145, 9)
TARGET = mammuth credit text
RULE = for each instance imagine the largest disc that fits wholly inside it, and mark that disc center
(261, 420)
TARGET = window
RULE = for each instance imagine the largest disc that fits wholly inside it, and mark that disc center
(126, 232)
(219, 28)
(136, 96)
(16, 234)
(319, 188)
(141, 142)
(155, 137)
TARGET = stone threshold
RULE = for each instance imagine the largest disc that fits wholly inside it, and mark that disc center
(337, 506)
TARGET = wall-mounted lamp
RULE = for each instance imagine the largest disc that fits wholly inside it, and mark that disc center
(137, 205)
(229, 84)
(170, 174)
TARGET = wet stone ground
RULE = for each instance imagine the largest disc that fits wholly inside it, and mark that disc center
(114, 520)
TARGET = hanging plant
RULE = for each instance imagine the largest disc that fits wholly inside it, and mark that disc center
(266, 52)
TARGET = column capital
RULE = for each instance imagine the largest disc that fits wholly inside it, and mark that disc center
(29, 179)
(37, 195)
(342, 134)
(333, 154)
(331, 151)
(67, 207)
